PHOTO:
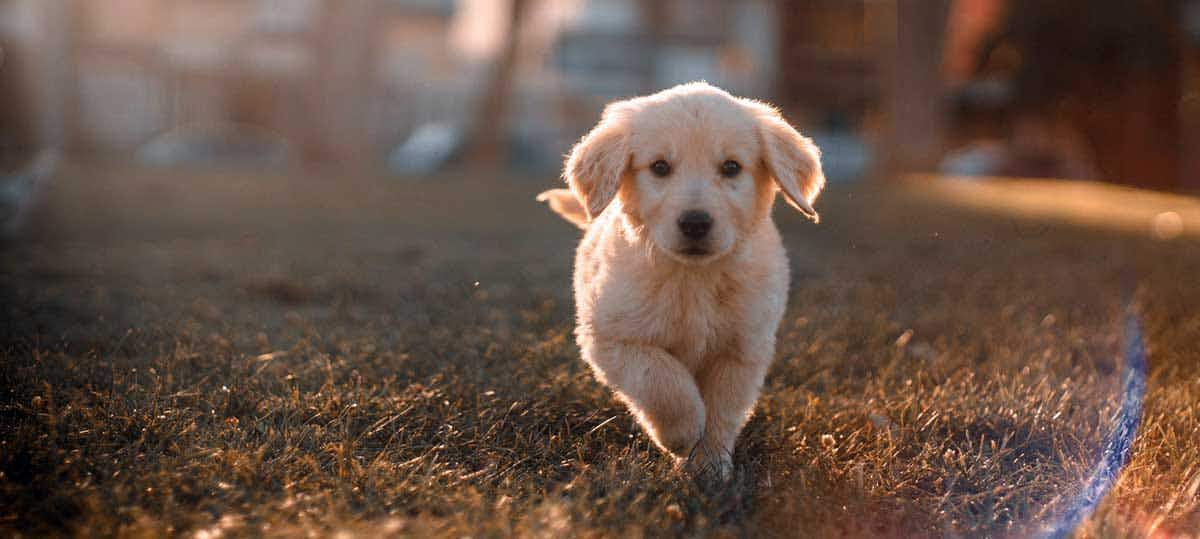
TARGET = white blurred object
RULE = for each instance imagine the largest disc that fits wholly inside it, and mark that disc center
(844, 155)
(121, 104)
(19, 19)
(612, 16)
(1167, 225)
(217, 145)
(19, 192)
(678, 64)
(979, 159)
(285, 16)
(428, 148)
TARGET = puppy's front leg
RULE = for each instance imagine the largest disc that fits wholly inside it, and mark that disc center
(657, 388)
(730, 388)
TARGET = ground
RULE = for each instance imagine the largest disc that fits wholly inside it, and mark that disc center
(215, 353)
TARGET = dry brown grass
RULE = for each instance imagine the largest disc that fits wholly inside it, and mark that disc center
(214, 354)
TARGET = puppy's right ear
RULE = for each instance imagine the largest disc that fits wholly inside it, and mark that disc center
(600, 159)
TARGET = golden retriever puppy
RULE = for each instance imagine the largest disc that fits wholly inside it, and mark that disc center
(681, 278)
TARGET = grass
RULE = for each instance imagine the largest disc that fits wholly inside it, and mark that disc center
(210, 354)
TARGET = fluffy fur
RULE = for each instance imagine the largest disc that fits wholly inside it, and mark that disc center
(683, 330)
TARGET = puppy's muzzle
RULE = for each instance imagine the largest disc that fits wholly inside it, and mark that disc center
(695, 224)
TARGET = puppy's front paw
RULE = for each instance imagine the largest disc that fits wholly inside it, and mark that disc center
(677, 425)
(681, 431)
(709, 462)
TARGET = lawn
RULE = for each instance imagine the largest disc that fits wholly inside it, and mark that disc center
(213, 354)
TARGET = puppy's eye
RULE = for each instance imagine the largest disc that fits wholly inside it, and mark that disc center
(731, 168)
(660, 168)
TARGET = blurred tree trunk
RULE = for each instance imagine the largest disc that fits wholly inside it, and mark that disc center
(18, 136)
(916, 94)
(487, 142)
(344, 81)
(654, 25)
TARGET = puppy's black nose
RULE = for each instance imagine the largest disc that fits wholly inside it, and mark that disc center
(695, 224)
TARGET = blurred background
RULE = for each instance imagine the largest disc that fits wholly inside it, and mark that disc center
(281, 221)
(1105, 89)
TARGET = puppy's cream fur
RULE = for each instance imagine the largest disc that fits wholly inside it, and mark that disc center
(684, 330)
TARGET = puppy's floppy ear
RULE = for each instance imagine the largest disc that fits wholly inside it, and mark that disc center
(792, 159)
(597, 162)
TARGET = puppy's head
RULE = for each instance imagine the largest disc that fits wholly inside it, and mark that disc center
(694, 168)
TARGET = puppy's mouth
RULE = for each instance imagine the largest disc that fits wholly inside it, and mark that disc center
(691, 252)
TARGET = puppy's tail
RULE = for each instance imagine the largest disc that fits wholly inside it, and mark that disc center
(564, 203)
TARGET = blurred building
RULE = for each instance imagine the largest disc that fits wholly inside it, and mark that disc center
(307, 71)
(347, 80)
(1018, 87)
(329, 77)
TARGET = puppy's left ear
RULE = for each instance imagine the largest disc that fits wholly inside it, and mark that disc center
(792, 159)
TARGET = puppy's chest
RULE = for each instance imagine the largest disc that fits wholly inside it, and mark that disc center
(690, 318)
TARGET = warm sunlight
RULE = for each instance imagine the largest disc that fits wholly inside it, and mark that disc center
(1092, 204)
(599, 268)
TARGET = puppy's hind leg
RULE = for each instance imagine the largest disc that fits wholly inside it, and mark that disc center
(658, 390)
